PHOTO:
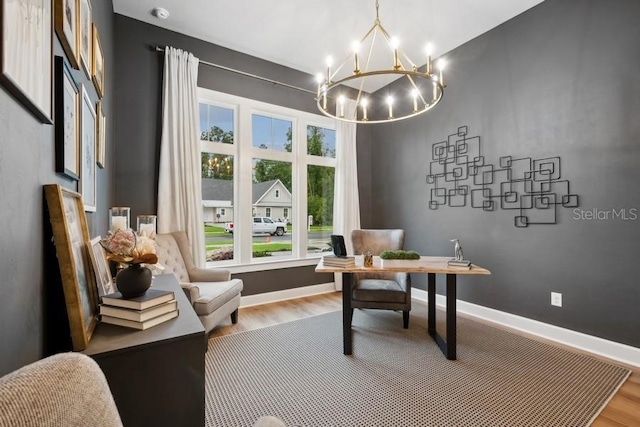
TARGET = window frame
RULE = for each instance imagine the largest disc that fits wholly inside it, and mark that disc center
(243, 152)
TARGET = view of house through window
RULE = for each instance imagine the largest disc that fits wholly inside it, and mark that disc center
(271, 229)
(284, 190)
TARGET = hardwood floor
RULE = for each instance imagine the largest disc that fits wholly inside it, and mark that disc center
(622, 411)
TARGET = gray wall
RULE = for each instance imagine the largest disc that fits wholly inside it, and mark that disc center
(27, 162)
(139, 103)
(558, 80)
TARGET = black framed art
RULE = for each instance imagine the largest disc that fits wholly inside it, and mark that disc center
(67, 115)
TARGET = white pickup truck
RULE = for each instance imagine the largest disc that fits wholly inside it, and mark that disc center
(263, 225)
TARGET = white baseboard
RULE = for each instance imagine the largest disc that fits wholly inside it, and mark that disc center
(610, 349)
(303, 291)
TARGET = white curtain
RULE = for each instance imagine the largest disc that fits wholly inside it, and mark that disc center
(346, 205)
(179, 181)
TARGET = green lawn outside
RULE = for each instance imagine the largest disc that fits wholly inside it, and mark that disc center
(214, 230)
(218, 231)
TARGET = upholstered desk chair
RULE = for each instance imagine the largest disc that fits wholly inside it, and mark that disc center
(68, 389)
(387, 291)
(212, 292)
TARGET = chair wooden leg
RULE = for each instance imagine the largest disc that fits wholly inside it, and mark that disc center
(405, 319)
(234, 317)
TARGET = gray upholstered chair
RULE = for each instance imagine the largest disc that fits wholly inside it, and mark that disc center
(68, 389)
(387, 291)
(213, 293)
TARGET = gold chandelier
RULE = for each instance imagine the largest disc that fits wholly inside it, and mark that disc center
(416, 92)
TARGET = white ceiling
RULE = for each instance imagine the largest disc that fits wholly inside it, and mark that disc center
(301, 33)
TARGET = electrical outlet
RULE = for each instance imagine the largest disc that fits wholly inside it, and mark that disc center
(556, 299)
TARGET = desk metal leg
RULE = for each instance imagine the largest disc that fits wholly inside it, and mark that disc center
(346, 313)
(451, 317)
(431, 303)
(448, 347)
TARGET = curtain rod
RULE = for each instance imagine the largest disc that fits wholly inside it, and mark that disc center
(222, 67)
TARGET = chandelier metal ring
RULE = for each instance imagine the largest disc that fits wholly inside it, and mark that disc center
(419, 101)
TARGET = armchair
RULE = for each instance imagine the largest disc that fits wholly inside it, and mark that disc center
(212, 292)
(68, 389)
(387, 291)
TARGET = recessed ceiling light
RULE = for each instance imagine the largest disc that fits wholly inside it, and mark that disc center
(160, 13)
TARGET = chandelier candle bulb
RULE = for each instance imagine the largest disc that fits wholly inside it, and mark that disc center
(429, 51)
(364, 108)
(341, 105)
(435, 90)
(329, 63)
(414, 93)
(396, 62)
(356, 47)
(319, 81)
(390, 102)
(441, 65)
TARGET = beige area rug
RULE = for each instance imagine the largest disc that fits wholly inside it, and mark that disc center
(397, 377)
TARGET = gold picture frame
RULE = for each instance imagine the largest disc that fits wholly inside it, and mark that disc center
(66, 20)
(70, 234)
(101, 149)
(88, 131)
(85, 36)
(102, 273)
(97, 63)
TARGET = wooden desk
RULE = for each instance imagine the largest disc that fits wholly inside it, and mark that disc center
(156, 375)
(426, 264)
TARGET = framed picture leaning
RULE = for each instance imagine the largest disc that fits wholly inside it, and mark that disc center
(71, 234)
(102, 273)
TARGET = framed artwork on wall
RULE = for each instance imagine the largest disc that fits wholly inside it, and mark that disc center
(67, 113)
(66, 25)
(27, 54)
(104, 281)
(85, 36)
(101, 150)
(70, 234)
(88, 152)
(97, 68)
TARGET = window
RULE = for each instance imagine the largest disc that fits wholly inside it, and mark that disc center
(216, 124)
(217, 140)
(266, 169)
(321, 151)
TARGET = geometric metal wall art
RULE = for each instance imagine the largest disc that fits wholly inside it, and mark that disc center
(532, 188)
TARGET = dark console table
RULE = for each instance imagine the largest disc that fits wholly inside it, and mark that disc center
(157, 375)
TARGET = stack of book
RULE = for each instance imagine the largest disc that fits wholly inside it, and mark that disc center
(335, 261)
(151, 309)
(462, 263)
